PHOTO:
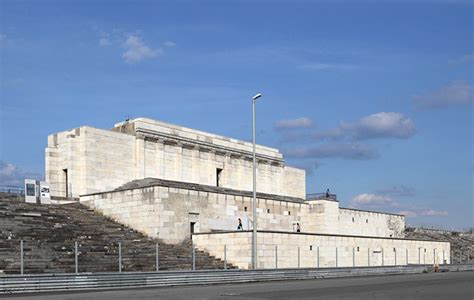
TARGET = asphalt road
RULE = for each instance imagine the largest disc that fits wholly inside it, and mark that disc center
(456, 285)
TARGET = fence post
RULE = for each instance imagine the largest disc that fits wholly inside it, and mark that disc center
(318, 256)
(225, 257)
(451, 257)
(276, 257)
(76, 262)
(337, 264)
(194, 258)
(298, 257)
(443, 258)
(434, 256)
(383, 262)
(120, 256)
(353, 257)
(21, 258)
(395, 252)
(406, 259)
(368, 257)
(157, 261)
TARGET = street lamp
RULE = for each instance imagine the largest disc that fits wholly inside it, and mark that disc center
(254, 233)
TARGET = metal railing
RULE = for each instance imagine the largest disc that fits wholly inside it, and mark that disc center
(87, 256)
(11, 189)
(321, 196)
(73, 282)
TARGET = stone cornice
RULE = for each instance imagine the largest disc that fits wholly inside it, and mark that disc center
(203, 146)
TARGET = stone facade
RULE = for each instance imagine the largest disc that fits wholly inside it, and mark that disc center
(174, 183)
(166, 209)
(292, 250)
(86, 160)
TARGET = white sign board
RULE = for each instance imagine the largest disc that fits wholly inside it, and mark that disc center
(44, 193)
(31, 191)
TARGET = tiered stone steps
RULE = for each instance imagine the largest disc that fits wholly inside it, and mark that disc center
(461, 242)
(49, 233)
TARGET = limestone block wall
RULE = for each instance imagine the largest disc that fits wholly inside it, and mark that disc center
(322, 216)
(292, 250)
(174, 161)
(358, 222)
(167, 212)
(99, 160)
(88, 160)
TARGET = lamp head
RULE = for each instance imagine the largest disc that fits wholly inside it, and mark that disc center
(256, 96)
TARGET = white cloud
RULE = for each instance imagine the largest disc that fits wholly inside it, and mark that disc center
(368, 199)
(302, 122)
(382, 125)
(455, 93)
(136, 50)
(431, 212)
(408, 213)
(375, 126)
(401, 191)
(5, 41)
(354, 151)
(467, 58)
(12, 175)
(169, 44)
(104, 42)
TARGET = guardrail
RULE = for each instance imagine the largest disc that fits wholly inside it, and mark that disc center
(104, 281)
(321, 196)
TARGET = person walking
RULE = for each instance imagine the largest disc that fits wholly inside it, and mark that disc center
(240, 227)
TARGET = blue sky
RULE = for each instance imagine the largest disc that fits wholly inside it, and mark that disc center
(373, 98)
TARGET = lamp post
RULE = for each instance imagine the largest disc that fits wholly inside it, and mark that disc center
(254, 233)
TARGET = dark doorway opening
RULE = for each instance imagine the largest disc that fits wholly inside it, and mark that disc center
(66, 181)
(193, 224)
(218, 177)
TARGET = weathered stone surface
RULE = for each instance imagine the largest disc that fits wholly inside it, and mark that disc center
(320, 250)
(97, 160)
(162, 208)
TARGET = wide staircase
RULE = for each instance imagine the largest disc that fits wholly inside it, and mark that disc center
(49, 233)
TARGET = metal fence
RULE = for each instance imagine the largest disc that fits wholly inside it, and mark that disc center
(72, 282)
(33, 257)
(88, 256)
(11, 189)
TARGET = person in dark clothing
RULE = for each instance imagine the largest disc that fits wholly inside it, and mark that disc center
(240, 227)
(327, 194)
(298, 228)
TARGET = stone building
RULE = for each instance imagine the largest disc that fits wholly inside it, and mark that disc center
(87, 160)
(174, 183)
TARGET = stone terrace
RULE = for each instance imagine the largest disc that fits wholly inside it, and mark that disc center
(49, 233)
